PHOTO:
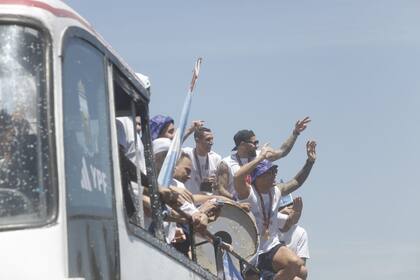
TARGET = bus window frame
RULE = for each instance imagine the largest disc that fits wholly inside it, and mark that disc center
(139, 95)
(47, 123)
(141, 106)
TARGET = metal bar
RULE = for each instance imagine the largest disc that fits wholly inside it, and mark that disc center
(218, 254)
(241, 267)
(241, 259)
(155, 202)
(202, 243)
(192, 242)
(139, 196)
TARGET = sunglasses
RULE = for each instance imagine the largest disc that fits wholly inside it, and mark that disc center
(255, 143)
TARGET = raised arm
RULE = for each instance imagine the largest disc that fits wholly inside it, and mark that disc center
(194, 126)
(287, 146)
(242, 187)
(300, 178)
(222, 180)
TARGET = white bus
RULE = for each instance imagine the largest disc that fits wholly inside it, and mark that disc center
(62, 211)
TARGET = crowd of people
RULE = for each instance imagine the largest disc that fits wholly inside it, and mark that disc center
(203, 181)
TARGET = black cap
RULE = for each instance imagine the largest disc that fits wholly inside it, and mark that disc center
(243, 135)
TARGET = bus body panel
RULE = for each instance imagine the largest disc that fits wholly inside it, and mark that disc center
(151, 263)
(25, 254)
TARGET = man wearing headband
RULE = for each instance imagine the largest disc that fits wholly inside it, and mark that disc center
(163, 127)
(261, 192)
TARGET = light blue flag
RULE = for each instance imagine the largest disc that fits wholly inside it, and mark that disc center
(165, 175)
(231, 273)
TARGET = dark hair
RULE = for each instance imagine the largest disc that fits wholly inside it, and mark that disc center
(198, 133)
(164, 127)
(242, 136)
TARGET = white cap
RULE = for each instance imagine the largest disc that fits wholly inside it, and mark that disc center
(161, 145)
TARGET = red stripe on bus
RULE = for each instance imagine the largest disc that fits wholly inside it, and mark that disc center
(55, 11)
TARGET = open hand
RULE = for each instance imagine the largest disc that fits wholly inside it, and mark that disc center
(310, 150)
(175, 196)
(297, 204)
(301, 125)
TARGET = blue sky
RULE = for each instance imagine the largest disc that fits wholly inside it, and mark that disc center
(352, 66)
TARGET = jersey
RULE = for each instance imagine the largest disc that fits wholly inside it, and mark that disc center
(296, 240)
(276, 220)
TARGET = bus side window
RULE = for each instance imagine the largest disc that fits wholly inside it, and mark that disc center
(27, 196)
(91, 221)
(131, 152)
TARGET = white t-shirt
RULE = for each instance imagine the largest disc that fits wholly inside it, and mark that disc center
(125, 134)
(296, 240)
(126, 139)
(233, 166)
(193, 184)
(276, 221)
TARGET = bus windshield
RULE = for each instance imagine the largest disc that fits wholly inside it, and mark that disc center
(25, 191)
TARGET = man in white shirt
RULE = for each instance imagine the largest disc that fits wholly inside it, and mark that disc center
(255, 183)
(126, 138)
(245, 150)
(182, 171)
(204, 162)
(295, 236)
(181, 174)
